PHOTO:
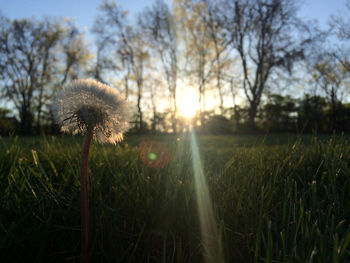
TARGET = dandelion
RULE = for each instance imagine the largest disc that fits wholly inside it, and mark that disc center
(88, 106)
(97, 111)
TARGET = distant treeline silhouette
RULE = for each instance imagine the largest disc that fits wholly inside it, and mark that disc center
(280, 114)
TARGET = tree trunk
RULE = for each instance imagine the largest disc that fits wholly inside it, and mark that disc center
(38, 121)
(174, 121)
(253, 110)
(221, 97)
(154, 122)
(139, 110)
(39, 108)
(126, 80)
(154, 108)
(26, 121)
(334, 109)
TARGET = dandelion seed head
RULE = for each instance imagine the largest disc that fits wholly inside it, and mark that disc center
(87, 104)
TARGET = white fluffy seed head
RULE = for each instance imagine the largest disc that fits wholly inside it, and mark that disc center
(88, 104)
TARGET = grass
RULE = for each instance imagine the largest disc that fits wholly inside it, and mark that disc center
(275, 199)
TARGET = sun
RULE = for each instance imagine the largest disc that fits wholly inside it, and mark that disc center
(187, 106)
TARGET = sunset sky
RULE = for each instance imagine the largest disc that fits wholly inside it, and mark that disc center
(85, 11)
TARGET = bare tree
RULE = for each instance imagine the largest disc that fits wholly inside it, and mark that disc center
(342, 30)
(154, 87)
(75, 53)
(160, 27)
(31, 62)
(129, 47)
(221, 61)
(342, 24)
(20, 41)
(103, 62)
(264, 34)
(199, 50)
(330, 76)
(197, 47)
(48, 58)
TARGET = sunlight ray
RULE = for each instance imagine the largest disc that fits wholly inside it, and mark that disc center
(210, 237)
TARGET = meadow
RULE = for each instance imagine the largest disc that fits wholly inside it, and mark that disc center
(274, 198)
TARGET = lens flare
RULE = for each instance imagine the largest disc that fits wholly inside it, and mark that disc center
(154, 154)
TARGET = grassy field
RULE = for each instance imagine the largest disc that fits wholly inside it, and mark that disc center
(275, 198)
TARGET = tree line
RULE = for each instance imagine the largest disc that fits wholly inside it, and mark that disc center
(259, 66)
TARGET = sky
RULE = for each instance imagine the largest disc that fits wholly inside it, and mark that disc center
(84, 11)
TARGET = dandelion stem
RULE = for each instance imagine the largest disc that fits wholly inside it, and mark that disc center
(84, 198)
